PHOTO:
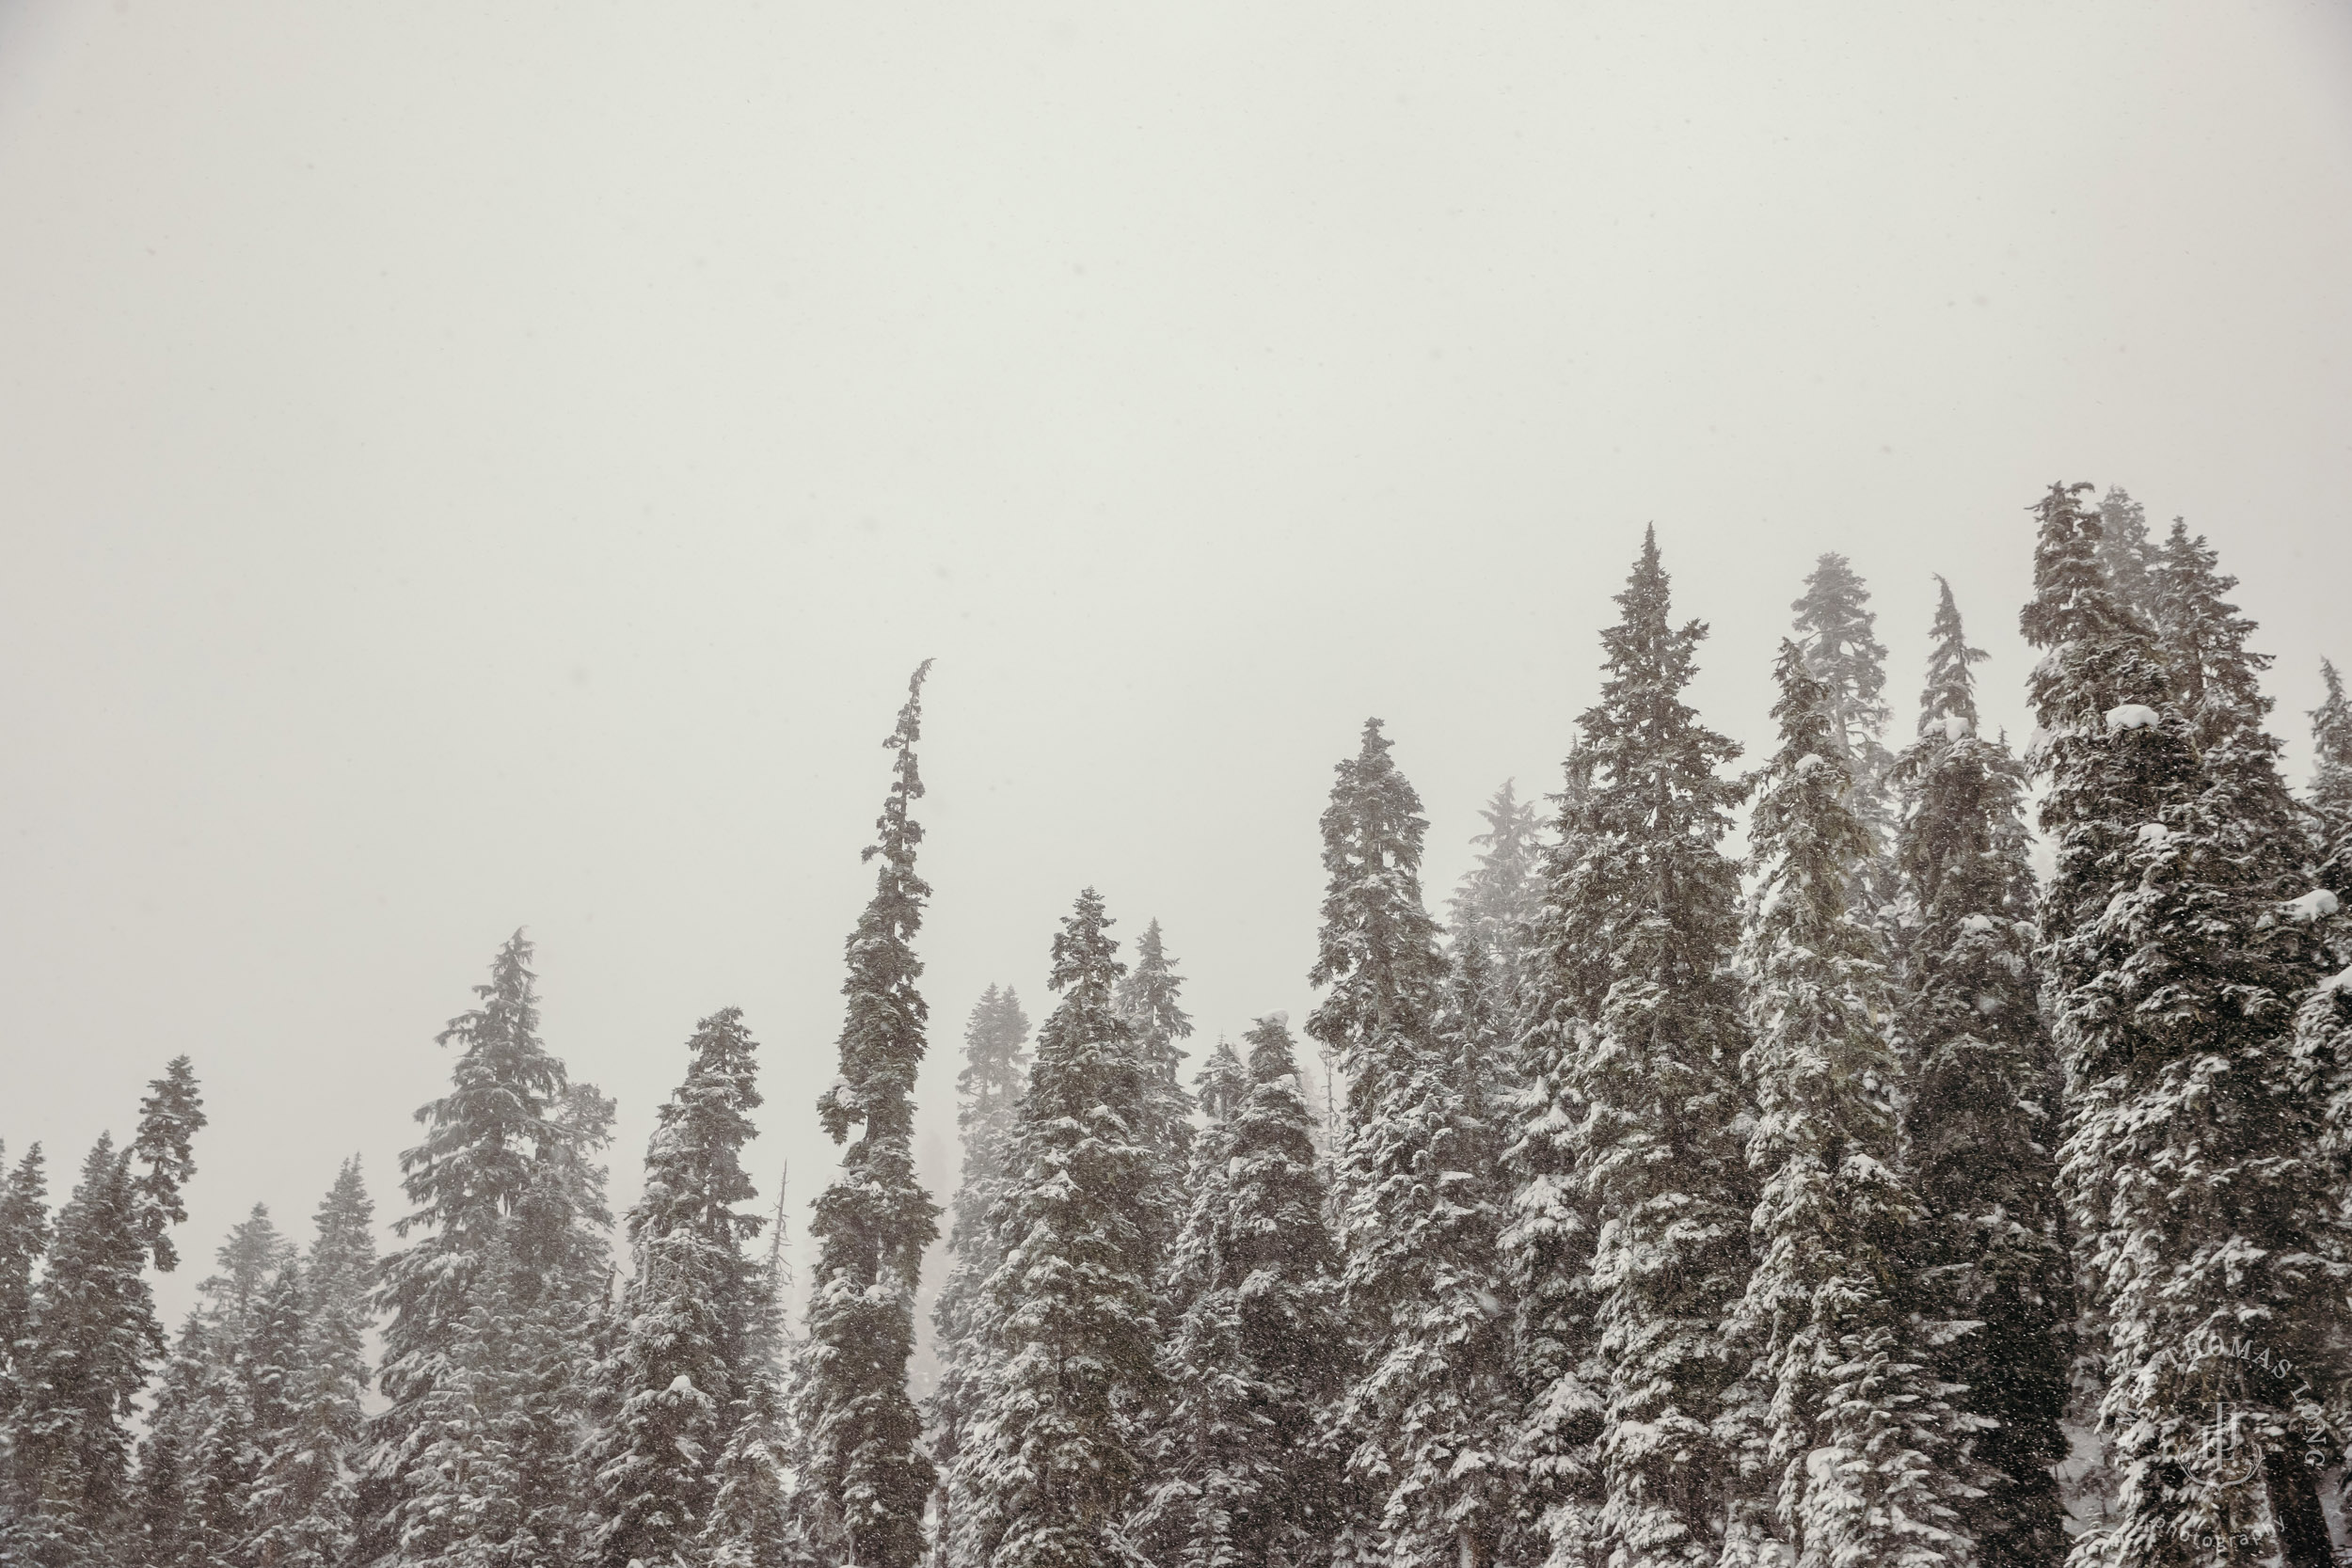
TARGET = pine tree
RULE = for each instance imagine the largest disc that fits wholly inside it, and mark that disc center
(1980, 1116)
(690, 1314)
(1238, 1476)
(2191, 1169)
(2124, 554)
(1843, 653)
(874, 1221)
(1499, 898)
(1633, 1050)
(989, 1090)
(1855, 1456)
(489, 1306)
(1050, 1465)
(90, 1336)
(1417, 1209)
(756, 1519)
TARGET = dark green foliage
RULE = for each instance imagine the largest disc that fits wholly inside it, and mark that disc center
(1981, 1121)
(873, 1222)
(169, 1119)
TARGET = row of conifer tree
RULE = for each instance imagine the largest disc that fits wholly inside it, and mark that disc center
(1871, 1200)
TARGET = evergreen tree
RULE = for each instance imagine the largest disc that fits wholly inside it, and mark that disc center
(2124, 554)
(1499, 898)
(162, 1527)
(874, 1221)
(989, 1090)
(1418, 1210)
(1857, 1456)
(490, 1305)
(1843, 653)
(2332, 788)
(1631, 1048)
(691, 1313)
(24, 1242)
(1148, 1001)
(2216, 681)
(1980, 1118)
(306, 1495)
(2191, 1168)
(1238, 1477)
(757, 1520)
(89, 1338)
(1050, 1465)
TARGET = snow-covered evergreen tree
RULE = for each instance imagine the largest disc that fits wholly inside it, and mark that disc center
(1853, 1453)
(1842, 651)
(306, 1494)
(690, 1316)
(1148, 999)
(874, 1221)
(1418, 1211)
(2192, 1169)
(1050, 1465)
(1499, 899)
(1980, 1115)
(1630, 1051)
(1239, 1477)
(758, 1518)
(989, 1089)
(24, 1242)
(484, 1355)
(2215, 680)
(89, 1338)
(2332, 788)
(2124, 553)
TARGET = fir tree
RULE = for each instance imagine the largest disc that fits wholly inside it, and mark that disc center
(2124, 554)
(24, 1242)
(1050, 1465)
(2332, 788)
(306, 1495)
(1857, 1456)
(1632, 1047)
(989, 1090)
(1499, 898)
(1843, 653)
(690, 1313)
(2191, 1168)
(1238, 1477)
(874, 1221)
(1980, 1116)
(755, 1518)
(1418, 1213)
(490, 1305)
(90, 1336)
(2216, 681)
(1148, 1001)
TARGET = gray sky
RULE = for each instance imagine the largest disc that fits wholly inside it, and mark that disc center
(469, 466)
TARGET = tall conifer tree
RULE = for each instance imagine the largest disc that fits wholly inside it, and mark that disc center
(2191, 1167)
(24, 1242)
(1417, 1212)
(490, 1306)
(2331, 785)
(1631, 1048)
(688, 1327)
(873, 1222)
(1842, 651)
(1981, 1118)
(1499, 897)
(989, 1089)
(1239, 1476)
(2124, 553)
(1149, 998)
(1051, 1465)
(1857, 1456)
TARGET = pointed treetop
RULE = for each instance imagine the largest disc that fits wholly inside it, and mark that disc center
(2331, 723)
(169, 1117)
(1837, 628)
(1223, 1084)
(2123, 552)
(1085, 961)
(899, 834)
(1951, 688)
(2216, 677)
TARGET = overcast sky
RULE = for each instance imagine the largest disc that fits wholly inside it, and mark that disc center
(467, 466)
